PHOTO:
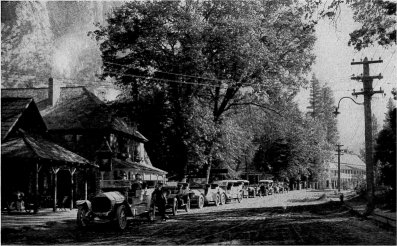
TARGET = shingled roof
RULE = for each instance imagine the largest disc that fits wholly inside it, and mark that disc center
(28, 147)
(78, 109)
(349, 159)
(40, 95)
(127, 164)
(20, 113)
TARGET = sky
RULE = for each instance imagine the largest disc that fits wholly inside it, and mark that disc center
(333, 68)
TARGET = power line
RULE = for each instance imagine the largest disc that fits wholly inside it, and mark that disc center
(178, 74)
(386, 66)
(167, 80)
(133, 76)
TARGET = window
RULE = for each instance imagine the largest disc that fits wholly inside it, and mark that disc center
(68, 137)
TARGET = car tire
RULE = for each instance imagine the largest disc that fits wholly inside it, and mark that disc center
(187, 208)
(217, 200)
(152, 213)
(121, 220)
(82, 220)
(223, 199)
(200, 202)
(175, 207)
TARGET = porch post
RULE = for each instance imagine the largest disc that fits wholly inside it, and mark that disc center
(55, 172)
(36, 187)
(72, 170)
(85, 184)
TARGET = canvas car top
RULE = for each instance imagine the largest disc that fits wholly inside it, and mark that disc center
(265, 181)
(224, 182)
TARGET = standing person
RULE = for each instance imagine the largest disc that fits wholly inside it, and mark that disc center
(160, 196)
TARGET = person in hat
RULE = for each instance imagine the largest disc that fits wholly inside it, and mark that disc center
(160, 198)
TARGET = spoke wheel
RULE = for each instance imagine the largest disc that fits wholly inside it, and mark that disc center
(82, 220)
(121, 220)
(223, 199)
(217, 200)
(239, 197)
(175, 207)
(152, 213)
(201, 202)
(187, 208)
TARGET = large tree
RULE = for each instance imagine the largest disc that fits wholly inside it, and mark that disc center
(385, 148)
(226, 54)
(377, 19)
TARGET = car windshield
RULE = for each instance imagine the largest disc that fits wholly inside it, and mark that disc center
(173, 190)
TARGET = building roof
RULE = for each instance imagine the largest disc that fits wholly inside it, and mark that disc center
(79, 109)
(40, 95)
(347, 161)
(12, 112)
(28, 147)
(127, 164)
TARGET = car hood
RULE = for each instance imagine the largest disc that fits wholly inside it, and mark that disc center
(113, 196)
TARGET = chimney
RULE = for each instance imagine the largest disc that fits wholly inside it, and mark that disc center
(51, 91)
(54, 91)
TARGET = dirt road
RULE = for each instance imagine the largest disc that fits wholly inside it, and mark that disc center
(298, 217)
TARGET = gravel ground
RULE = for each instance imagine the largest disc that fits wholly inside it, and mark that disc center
(298, 217)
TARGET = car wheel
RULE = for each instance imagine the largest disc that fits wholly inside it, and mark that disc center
(121, 220)
(223, 199)
(201, 202)
(187, 208)
(152, 213)
(82, 220)
(239, 197)
(175, 207)
(217, 200)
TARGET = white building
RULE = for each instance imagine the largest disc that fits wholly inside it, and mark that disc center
(352, 171)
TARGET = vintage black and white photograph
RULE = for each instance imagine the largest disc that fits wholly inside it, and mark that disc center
(198, 122)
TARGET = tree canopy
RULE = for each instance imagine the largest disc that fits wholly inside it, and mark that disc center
(210, 62)
(385, 148)
(377, 19)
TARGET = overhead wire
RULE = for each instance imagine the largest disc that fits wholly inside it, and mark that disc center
(178, 74)
(133, 76)
(384, 69)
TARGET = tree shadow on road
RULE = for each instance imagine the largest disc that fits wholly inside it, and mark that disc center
(320, 224)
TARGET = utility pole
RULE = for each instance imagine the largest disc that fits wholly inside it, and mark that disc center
(339, 150)
(367, 93)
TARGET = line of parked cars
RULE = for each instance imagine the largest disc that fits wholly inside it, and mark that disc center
(122, 200)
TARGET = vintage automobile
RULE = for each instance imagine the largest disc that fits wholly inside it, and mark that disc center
(211, 193)
(279, 187)
(116, 204)
(196, 198)
(254, 191)
(178, 197)
(266, 187)
(233, 189)
(245, 184)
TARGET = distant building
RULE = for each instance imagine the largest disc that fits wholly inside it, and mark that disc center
(352, 172)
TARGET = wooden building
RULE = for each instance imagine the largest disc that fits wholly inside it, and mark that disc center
(86, 125)
(30, 163)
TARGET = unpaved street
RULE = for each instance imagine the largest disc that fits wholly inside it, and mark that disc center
(298, 217)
